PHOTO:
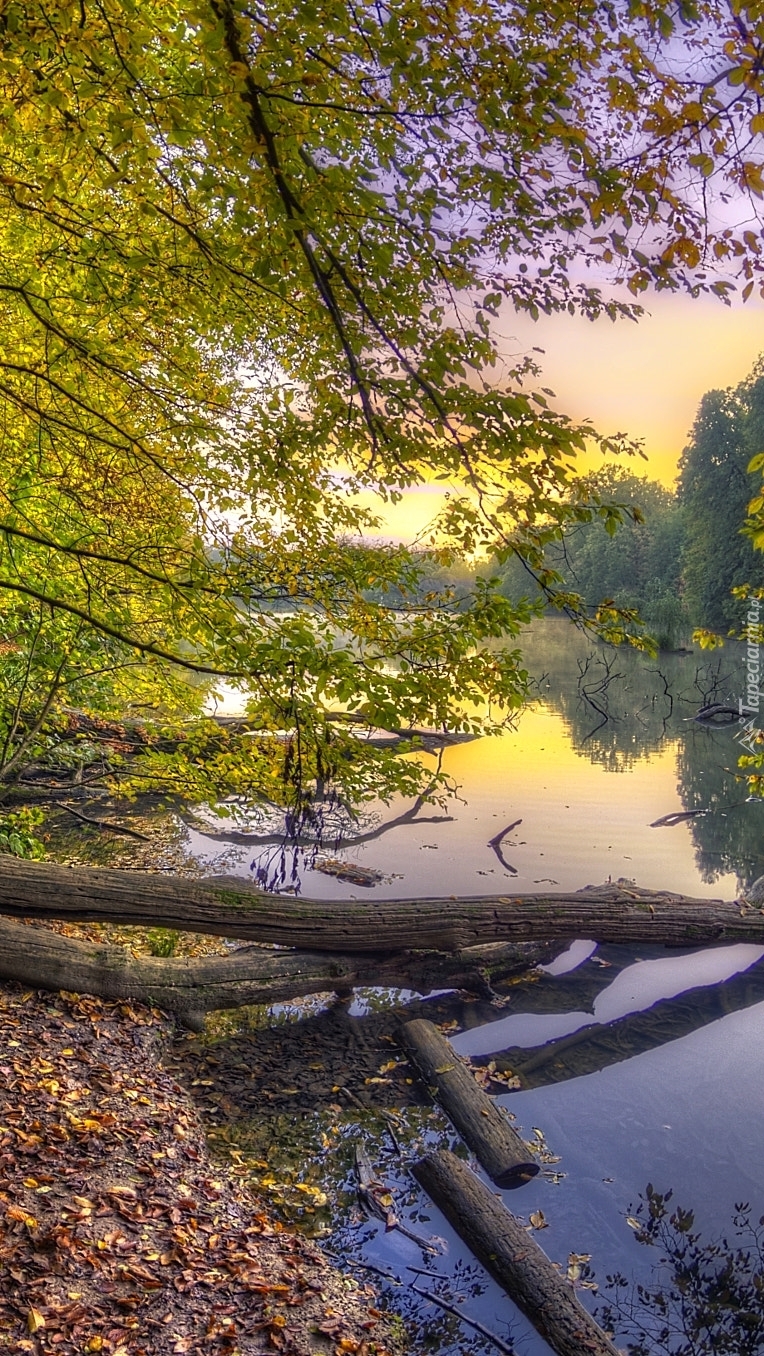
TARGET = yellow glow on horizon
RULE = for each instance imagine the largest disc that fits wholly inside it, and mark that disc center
(644, 379)
(410, 518)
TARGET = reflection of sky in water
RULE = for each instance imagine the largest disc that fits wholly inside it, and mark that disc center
(687, 1115)
(636, 988)
(580, 823)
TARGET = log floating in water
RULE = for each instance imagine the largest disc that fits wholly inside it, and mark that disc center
(233, 908)
(512, 1256)
(480, 1122)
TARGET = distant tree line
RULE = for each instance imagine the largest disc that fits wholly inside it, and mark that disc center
(640, 566)
(679, 560)
(677, 554)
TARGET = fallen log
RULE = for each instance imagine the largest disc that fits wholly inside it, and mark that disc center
(231, 907)
(480, 1122)
(190, 987)
(512, 1256)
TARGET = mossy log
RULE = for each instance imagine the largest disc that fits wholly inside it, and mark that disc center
(43, 959)
(233, 908)
(480, 1122)
(512, 1256)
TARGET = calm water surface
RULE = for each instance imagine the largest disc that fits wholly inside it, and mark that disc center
(608, 748)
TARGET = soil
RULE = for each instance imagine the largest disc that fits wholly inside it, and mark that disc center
(117, 1233)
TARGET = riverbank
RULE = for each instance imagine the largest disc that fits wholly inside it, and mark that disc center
(117, 1233)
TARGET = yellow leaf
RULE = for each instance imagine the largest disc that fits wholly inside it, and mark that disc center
(35, 1320)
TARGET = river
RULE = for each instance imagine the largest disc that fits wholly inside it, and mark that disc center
(608, 747)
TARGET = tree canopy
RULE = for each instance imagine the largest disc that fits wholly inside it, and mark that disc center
(715, 489)
(251, 261)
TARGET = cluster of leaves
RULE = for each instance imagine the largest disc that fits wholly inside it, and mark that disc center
(716, 485)
(17, 833)
(251, 262)
(710, 1295)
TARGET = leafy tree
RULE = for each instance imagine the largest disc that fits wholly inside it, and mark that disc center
(251, 258)
(714, 490)
(639, 568)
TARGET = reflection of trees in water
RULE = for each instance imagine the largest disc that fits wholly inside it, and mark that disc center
(615, 710)
(728, 837)
(620, 707)
(706, 1296)
(597, 1046)
(287, 844)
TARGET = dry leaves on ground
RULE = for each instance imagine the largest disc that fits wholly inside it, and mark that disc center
(116, 1233)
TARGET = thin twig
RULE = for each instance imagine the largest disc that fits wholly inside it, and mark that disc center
(103, 823)
(464, 1318)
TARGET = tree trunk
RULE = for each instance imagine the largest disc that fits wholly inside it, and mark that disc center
(233, 908)
(253, 974)
(512, 1256)
(476, 1116)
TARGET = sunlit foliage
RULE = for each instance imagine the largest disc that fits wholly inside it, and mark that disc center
(253, 258)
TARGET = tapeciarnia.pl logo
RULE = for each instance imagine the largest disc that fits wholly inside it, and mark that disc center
(750, 729)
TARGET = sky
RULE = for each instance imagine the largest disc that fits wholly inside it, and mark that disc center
(644, 379)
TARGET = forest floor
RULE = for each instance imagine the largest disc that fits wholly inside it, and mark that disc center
(117, 1232)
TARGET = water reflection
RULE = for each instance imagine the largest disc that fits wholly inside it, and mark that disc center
(609, 747)
(632, 989)
(637, 1065)
(620, 707)
(707, 1293)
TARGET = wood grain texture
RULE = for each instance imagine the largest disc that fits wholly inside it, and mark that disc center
(480, 1122)
(512, 1256)
(231, 907)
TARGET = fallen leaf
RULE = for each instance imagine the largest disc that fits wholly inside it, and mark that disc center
(35, 1320)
